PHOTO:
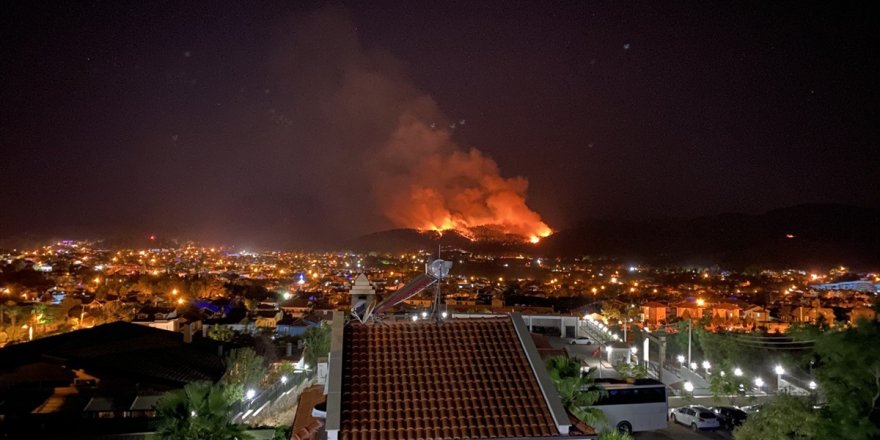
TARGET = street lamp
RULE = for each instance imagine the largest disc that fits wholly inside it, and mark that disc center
(759, 383)
(812, 385)
(283, 379)
(250, 394)
(689, 387)
(694, 366)
(706, 365)
(737, 372)
(680, 359)
(779, 372)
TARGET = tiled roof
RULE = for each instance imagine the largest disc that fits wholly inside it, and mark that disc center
(306, 426)
(466, 378)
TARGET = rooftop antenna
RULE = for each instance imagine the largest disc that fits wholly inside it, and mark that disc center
(438, 270)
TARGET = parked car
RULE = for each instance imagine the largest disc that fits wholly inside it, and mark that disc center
(696, 417)
(583, 340)
(729, 417)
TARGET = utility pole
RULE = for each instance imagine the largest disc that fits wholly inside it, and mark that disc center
(690, 326)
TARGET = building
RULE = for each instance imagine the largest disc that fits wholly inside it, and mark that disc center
(812, 314)
(862, 312)
(98, 381)
(725, 311)
(857, 286)
(654, 313)
(457, 378)
(756, 314)
(688, 310)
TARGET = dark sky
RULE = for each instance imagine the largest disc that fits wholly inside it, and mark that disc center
(261, 122)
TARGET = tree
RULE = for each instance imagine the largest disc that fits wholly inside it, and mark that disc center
(631, 371)
(783, 418)
(199, 411)
(317, 343)
(848, 373)
(576, 389)
(723, 383)
(220, 333)
(244, 369)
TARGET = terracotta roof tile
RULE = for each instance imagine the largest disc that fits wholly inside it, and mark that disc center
(465, 378)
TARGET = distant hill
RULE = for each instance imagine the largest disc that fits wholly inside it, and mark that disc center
(802, 236)
(407, 240)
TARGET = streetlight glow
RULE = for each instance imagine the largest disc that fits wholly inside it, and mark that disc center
(812, 385)
(779, 370)
(693, 365)
(759, 382)
(737, 372)
(689, 387)
(250, 394)
(680, 358)
(706, 365)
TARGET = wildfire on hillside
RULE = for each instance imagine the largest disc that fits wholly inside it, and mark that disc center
(439, 186)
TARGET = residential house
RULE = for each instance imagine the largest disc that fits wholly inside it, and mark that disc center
(812, 314)
(404, 379)
(654, 313)
(726, 311)
(688, 310)
(862, 312)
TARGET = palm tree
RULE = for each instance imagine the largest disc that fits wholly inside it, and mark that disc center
(199, 411)
(576, 389)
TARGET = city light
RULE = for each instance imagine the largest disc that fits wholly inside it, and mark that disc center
(424, 315)
(634, 349)
(287, 295)
(812, 385)
(693, 366)
(250, 394)
(689, 387)
(283, 379)
(706, 365)
(444, 315)
(779, 370)
(701, 302)
(759, 382)
(680, 358)
(737, 372)
(415, 318)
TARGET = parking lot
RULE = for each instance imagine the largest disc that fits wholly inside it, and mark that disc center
(680, 432)
(673, 431)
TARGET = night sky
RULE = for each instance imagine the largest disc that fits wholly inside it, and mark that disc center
(267, 123)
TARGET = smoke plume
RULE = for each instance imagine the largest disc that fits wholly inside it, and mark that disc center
(418, 175)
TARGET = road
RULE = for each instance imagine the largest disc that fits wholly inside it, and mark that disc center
(680, 432)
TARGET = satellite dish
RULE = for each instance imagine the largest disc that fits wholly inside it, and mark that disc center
(439, 268)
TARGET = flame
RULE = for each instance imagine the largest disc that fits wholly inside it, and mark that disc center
(431, 183)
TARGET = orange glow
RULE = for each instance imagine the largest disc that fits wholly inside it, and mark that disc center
(438, 185)
(534, 239)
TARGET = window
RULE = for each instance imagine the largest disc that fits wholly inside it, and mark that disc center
(633, 395)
